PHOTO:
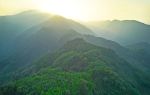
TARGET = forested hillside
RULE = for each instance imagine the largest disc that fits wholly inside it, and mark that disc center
(53, 55)
(80, 68)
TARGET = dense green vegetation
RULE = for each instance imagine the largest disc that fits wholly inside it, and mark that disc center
(78, 68)
(53, 82)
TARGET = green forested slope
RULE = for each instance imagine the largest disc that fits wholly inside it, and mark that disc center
(79, 68)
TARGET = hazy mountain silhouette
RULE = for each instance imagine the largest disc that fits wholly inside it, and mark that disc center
(13, 25)
(124, 32)
(29, 44)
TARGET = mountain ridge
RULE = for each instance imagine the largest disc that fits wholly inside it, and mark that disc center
(124, 32)
(53, 55)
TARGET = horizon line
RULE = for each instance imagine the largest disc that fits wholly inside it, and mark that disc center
(48, 13)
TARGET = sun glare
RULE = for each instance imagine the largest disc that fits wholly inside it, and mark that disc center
(83, 10)
(66, 8)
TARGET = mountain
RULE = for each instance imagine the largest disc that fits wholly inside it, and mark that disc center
(31, 21)
(47, 36)
(13, 25)
(133, 57)
(140, 46)
(53, 55)
(124, 32)
(80, 68)
(29, 45)
(143, 52)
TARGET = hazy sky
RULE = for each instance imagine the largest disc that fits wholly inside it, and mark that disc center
(86, 10)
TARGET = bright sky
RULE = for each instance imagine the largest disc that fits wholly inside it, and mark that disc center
(86, 10)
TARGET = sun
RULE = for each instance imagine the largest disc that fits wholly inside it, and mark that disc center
(80, 10)
(67, 8)
(58, 7)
